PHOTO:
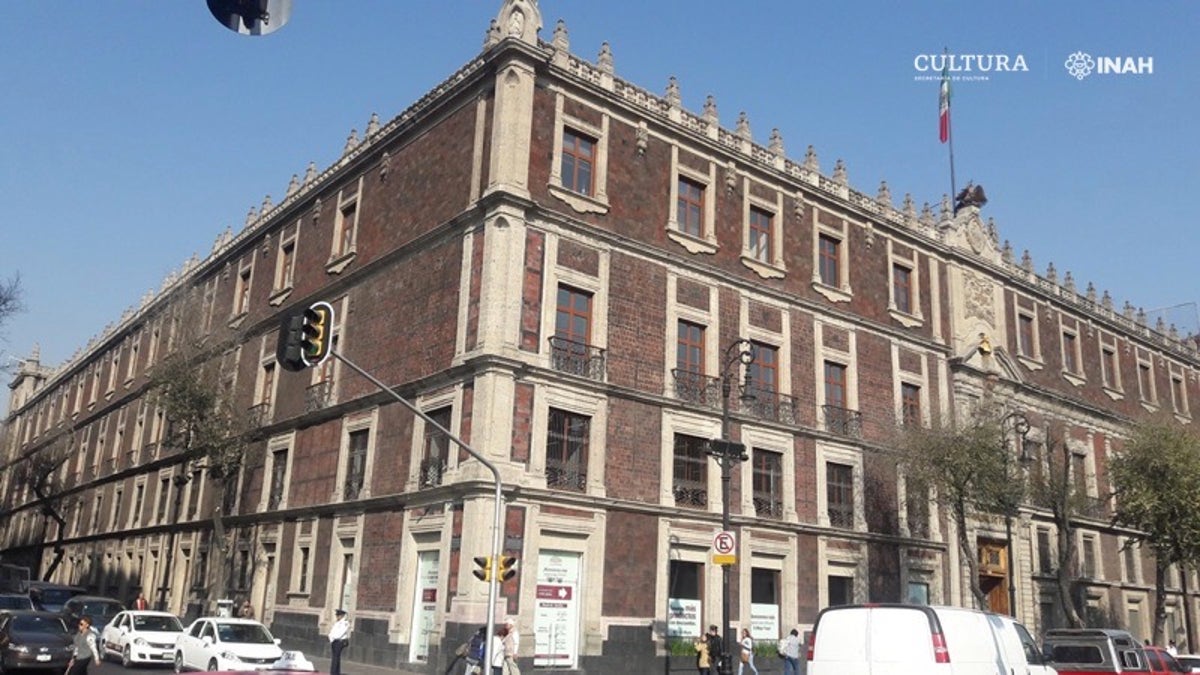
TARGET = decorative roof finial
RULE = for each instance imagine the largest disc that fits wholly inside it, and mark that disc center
(743, 126)
(492, 35)
(351, 142)
(775, 145)
(1069, 282)
(605, 59)
(1091, 292)
(561, 41)
(372, 126)
(839, 172)
(710, 111)
(251, 216)
(310, 173)
(1051, 273)
(267, 205)
(293, 186)
(810, 160)
(1107, 302)
(1006, 254)
(909, 208)
(674, 99)
(884, 196)
(1027, 261)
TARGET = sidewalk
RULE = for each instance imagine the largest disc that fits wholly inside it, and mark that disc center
(356, 668)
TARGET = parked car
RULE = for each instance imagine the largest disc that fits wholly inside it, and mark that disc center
(1161, 661)
(102, 610)
(220, 643)
(15, 601)
(50, 597)
(1087, 651)
(141, 636)
(922, 639)
(33, 639)
(1190, 662)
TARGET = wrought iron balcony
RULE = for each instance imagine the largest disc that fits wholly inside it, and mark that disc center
(690, 494)
(768, 507)
(842, 421)
(259, 415)
(432, 471)
(577, 358)
(841, 516)
(697, 388)
(769, 405)
(562, 475)
(318, 396)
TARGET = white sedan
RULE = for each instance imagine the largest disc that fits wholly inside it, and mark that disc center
(141, 637)
(218, 643)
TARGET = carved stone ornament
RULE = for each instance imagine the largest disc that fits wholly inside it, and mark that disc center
(385, 164)
(519, 19)
(674, 98)
(810, 159)
(775, 145)
(977, 237)
(643, 137)
(977, 292)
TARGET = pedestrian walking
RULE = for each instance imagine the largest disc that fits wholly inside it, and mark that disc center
(140, 602)
(716, 650)
(339, 637)
(789, 649)
(512, 646)
(86, 650)
(498, 657)
(747, 652)
(703, 662)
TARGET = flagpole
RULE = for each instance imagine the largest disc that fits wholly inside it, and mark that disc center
(949, 130)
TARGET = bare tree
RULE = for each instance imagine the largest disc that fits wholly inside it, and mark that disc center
(40, 472)
(10, 298)
(966, 469)
(1155, 479)
(1055, 485)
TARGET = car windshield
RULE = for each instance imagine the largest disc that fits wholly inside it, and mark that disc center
(100, 609)
(159, 623)
(42, 625)
(251, 633)
(55, 596)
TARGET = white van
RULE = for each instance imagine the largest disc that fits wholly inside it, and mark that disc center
(908, 639)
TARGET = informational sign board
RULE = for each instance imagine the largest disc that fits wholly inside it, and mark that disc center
(764, 621)
(683, 618)
(424, 604)
(556, 610)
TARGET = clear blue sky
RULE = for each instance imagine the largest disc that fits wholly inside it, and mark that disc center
(134, 132)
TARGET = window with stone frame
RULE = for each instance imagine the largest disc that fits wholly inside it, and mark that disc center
(241, 297)
(689, 347)
(760, 233)
(1045, 552)
(829, 260)
(910, 404)
(764, 370)
(1145, 367)
(164, 489)
(356, 464)
(767, 483)
(690, 477)
(1026, 335)
(840, 590)
(578, 161)
(567, 439)
(1179, 395)
(279, 466)
(1088, 556)
(435, 455)
(571, 349)
(303, 569)
(1070, 352)
(285, 263)
(689, 207)
(902, 288)
(1109, 365)
(916, 507)
(839, 494)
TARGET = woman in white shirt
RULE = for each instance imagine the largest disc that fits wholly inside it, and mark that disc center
(747, 652)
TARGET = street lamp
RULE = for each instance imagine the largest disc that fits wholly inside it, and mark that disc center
(1020, 425)
(739, 354)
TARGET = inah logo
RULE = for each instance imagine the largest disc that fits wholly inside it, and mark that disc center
(1080, 65)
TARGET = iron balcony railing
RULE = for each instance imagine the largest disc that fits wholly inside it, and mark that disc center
(433, 469)
(766, 506)
(318, 396)
(841, 516)
(577, 358)
(260, 415)
(842, 421)
(562, 475)
(697, 388)
(690, 494)
(769, 405)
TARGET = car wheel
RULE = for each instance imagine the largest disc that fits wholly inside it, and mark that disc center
(126, 657)
(212, 666)
(178, 662)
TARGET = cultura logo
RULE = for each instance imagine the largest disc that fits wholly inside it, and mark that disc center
(1080, 65)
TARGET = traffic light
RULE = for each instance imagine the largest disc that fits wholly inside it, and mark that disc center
(506, 568)
(484, 573)
(305, 338)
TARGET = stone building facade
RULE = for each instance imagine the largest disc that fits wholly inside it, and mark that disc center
(558, 266)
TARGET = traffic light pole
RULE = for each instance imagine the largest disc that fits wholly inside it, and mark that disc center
(493, 583)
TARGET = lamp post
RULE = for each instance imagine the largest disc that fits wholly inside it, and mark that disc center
(1020, 425)
(739, 354)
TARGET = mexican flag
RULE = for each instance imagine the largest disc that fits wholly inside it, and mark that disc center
(944, 106)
